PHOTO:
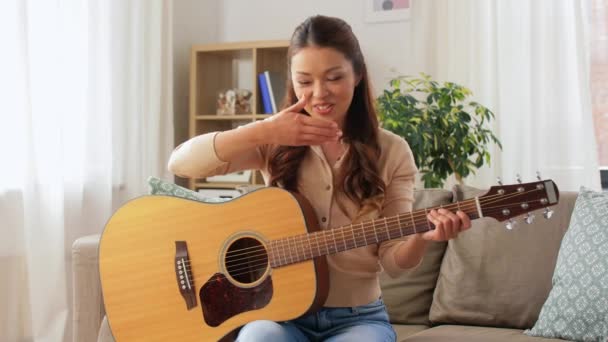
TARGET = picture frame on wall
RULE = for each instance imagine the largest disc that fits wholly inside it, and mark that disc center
(386, 10)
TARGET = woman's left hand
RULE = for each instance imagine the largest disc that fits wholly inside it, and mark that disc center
(447, 224)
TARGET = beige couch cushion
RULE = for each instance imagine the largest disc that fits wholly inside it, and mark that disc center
(408, 297)
(491, 276)
(404, 331)
(454, 333)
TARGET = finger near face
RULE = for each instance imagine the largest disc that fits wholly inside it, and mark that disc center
(319, 122)
(298, 106)
(329, 133)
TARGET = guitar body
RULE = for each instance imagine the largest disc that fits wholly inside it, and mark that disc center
(173, 269)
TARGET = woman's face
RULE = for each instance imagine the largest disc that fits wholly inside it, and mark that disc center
(327, 79)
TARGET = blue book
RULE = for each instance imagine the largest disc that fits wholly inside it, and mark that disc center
(276, 88)
(264, 91)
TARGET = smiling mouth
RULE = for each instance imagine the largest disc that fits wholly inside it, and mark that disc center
(323, 109)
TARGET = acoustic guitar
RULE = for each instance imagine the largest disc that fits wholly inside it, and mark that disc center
(180, 270)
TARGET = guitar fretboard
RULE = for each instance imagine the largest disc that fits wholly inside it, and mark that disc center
(304, 247)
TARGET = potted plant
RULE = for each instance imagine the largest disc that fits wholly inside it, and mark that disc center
(446, 132)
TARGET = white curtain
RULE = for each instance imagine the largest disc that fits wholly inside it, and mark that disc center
(528, 61)
(85, 118)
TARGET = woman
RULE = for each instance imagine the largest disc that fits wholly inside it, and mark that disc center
(327, 146)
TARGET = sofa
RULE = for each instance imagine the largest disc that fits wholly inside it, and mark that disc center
(489, 284)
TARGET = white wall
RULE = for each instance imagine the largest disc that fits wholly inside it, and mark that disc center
(194, 22)
(385, 45)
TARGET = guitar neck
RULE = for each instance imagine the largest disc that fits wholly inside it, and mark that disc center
(295, 249)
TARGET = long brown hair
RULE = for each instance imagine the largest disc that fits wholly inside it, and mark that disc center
(358, 176)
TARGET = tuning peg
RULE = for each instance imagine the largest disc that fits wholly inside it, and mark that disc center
(548, 213)
(518, 178)
(511, 224)
(529, 218)
(538, 176)
(499, 181)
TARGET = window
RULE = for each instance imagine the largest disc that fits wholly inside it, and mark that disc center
(599, 82)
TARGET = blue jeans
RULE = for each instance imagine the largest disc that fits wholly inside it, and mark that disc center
(367, 323)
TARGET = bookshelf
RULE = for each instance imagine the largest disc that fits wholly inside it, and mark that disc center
(218, 67)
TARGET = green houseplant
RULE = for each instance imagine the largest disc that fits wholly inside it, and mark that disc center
(446, 132)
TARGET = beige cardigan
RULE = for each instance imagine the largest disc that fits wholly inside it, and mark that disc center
(356, 269)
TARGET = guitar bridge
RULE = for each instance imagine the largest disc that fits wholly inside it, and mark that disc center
(183, 274)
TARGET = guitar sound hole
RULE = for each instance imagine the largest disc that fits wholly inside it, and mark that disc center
(246, 260)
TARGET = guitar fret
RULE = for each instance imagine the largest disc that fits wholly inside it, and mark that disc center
(298, 256)
(308, 239)
(268, 248)
(400, 226)
(294, 250)
(334, 237)
(286, 250)
(364, 236)
(325, 242)
(427, 219)
(309, 246)
(277, 246)
(413, 221)
(280, 246)
(388, 233)
(352, 230)
(298, 240)
(303, 246)
(375, 234)
(276, 252)
(290, 249)
(272, 245)
(285, 246)
(317, 243)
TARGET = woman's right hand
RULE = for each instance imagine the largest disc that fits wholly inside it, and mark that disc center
(291, 128)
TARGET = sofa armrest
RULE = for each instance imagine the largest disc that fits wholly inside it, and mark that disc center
(87, 304)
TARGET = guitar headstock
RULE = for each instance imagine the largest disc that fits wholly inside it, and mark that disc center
(504, 202)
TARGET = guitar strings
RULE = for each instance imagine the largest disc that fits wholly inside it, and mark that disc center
(255, 257)
(256, 268)
(251, 251)
(467, 206)
(360, 226)
(363, 225)
(410, 230)
(251, 255)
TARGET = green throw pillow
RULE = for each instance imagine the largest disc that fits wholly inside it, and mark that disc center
(577, 306)
(158, 186)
